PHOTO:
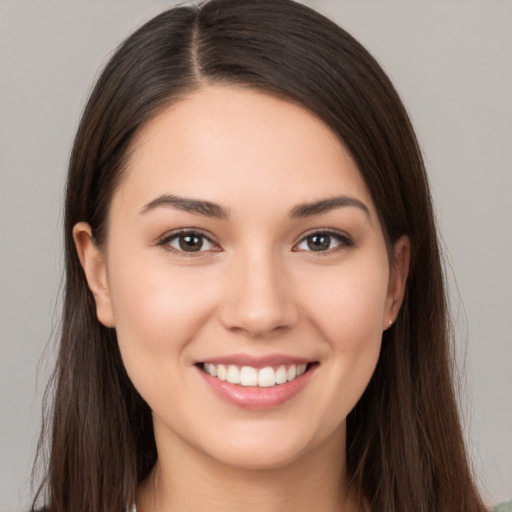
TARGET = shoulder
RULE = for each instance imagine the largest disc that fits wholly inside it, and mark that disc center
(503, 507)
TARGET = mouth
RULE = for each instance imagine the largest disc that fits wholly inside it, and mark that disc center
(257, 382)
(250, 376)
(259, 387)
(266, 377)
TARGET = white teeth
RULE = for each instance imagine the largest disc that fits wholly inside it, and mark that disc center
(301, 369)
(221, 372)
(233, 375)
(281, 375)
(249, 376)
(266, 377)
(291, 373)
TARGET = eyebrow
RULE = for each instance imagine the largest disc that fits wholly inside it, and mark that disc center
(209, 209)
(325, 205)
(188, 205)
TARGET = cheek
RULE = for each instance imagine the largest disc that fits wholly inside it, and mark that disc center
(348, 312)
(349, 305)
(157, 310)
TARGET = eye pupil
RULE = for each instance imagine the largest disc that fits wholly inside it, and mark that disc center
(319, 242)
(191, 243)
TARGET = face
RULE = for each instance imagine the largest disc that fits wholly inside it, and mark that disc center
(246, 274)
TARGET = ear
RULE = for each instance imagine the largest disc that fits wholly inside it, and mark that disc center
(93, 263)
(397, 280)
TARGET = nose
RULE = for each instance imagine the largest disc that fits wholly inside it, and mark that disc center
(259, 301)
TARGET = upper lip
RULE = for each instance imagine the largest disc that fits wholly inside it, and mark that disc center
(257, 361)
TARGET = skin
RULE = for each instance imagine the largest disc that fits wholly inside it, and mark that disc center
(257, 288)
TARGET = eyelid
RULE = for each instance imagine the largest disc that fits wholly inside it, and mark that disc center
(165, 240)
(342, 237)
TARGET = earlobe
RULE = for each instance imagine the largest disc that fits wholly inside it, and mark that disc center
(93, 263)
(397, 279)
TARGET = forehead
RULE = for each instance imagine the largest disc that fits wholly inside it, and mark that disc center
(233, 146)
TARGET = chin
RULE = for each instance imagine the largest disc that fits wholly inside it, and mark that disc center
(271, 448)
(256, 457)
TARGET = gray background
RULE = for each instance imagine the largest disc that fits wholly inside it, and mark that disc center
(451, 62)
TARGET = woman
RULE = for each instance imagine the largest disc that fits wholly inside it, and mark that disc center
(254, 311)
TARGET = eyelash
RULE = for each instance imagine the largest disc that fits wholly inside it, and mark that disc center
(343, 239)
(166, 240)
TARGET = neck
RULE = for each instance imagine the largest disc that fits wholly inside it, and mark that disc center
(185, 479)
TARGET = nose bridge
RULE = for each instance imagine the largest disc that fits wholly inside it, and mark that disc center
(260, 299)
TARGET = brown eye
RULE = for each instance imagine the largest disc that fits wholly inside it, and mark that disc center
(320, 242)
(323, 241)
(190, 243)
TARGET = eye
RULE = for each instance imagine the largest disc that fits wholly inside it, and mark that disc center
(188, 241)
(323, 241)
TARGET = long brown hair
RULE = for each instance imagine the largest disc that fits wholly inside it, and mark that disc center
(405, 450)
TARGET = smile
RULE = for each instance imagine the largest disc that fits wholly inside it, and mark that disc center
(257, 383)
(249, 376)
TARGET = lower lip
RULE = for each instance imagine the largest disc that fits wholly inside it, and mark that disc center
(253, 397)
